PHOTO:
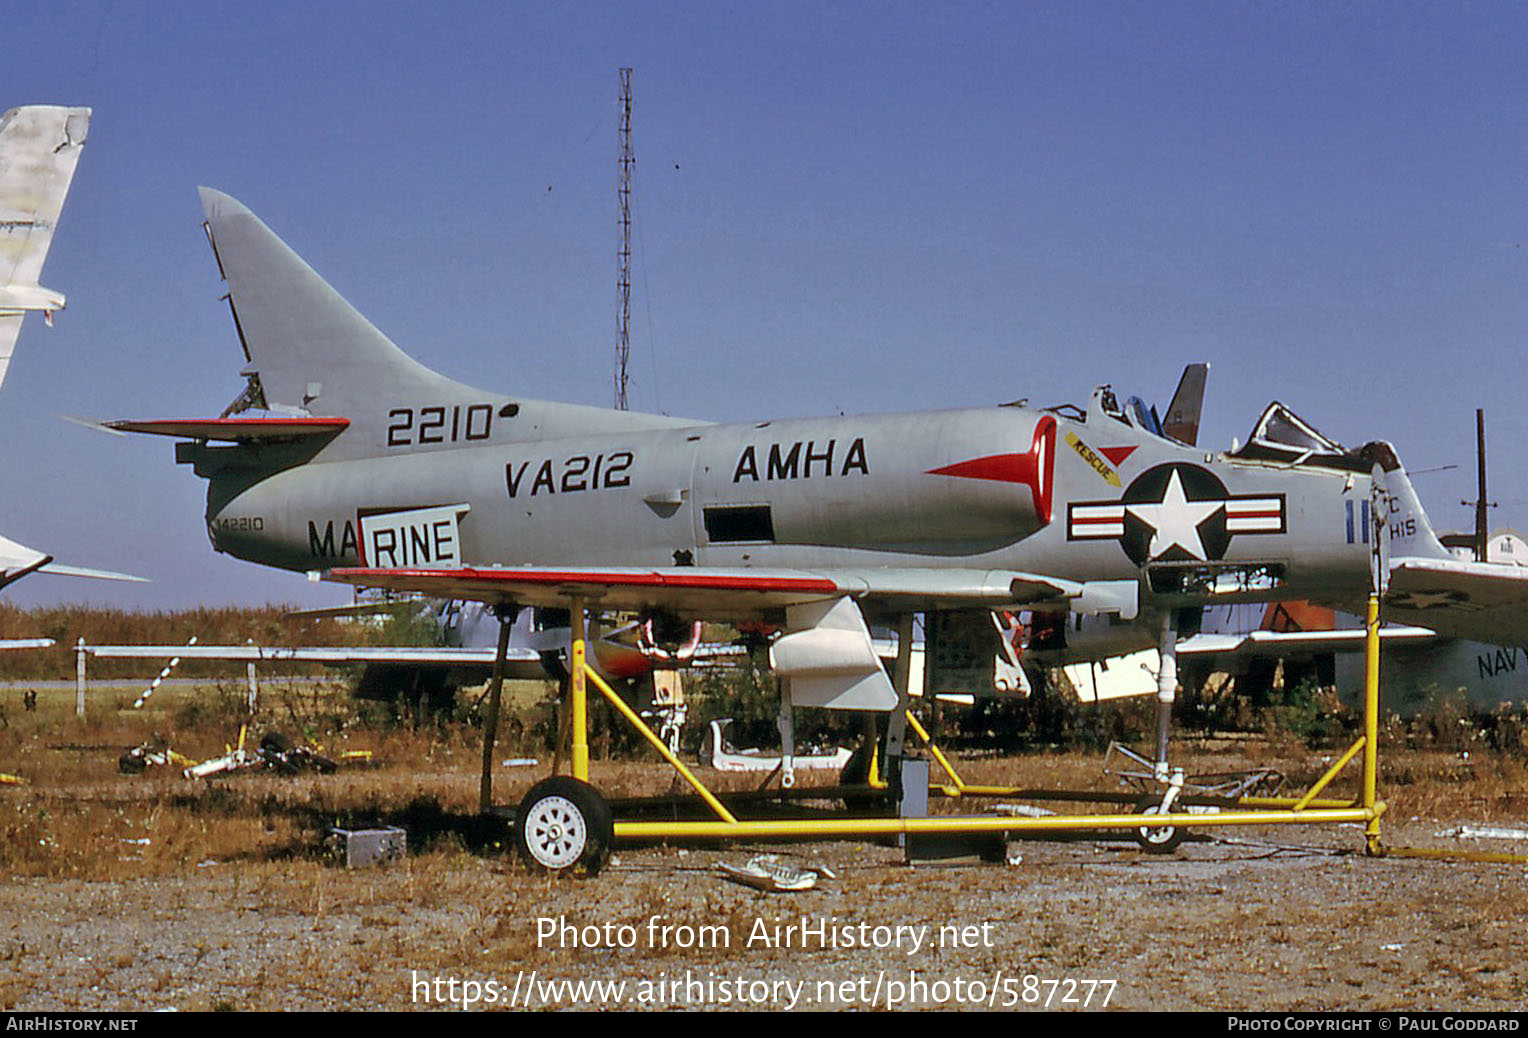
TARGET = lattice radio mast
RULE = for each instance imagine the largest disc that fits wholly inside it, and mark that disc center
(623, 283)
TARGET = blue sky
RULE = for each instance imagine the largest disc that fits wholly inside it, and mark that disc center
(839, 207)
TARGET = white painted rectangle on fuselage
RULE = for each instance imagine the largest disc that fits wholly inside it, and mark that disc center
(413, 537)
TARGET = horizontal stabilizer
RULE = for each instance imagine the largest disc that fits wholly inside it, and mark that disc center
(16, 299)
(233, 430)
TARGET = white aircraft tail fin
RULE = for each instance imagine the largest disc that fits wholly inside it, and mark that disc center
(1408, 531)
(39, 148)
(311, 352)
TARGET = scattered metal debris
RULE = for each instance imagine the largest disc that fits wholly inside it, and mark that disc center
(1021, 810)
(1484, 832)
(276, 752)
(153, 752)
(280, 753)
(233, 760)
(766, 872)
(720, 754)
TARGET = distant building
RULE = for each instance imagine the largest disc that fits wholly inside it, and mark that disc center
(1505, 545)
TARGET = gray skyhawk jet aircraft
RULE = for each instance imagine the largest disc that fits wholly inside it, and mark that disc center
(346, 457)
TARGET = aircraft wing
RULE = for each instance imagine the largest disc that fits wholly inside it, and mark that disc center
(352, 610)
(522, 662)
(17, 560)
(1481, 601)
(416, 655)
(58, 570)
(718, 593)
(1271, 644)
(722, 594)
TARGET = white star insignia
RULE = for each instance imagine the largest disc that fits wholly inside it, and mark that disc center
(1175, 520)
(1431, 600)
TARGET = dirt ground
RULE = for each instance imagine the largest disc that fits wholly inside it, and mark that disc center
(153, 892)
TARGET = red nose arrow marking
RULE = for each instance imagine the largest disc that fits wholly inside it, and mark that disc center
(1032, 469)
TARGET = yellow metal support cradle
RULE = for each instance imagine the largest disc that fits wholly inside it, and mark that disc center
(578, 695)
(1255, 810)
(668, 755)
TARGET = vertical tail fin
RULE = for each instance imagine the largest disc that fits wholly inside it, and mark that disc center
(304, 339)
(311, 352)
(39, 148)
(1409, 531)
(1182, 421)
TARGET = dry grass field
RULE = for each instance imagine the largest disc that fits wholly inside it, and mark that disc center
(138, 892)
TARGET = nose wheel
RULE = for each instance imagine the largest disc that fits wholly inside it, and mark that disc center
(1157, 839)
(563, 824)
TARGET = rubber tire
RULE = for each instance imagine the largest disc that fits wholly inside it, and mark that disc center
(563, 825)
(1156, 839)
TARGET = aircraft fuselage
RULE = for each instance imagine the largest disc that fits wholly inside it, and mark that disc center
(1005, 488)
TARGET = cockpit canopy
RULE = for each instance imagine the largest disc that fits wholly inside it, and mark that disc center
(1280, 435)
(1135, 412)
